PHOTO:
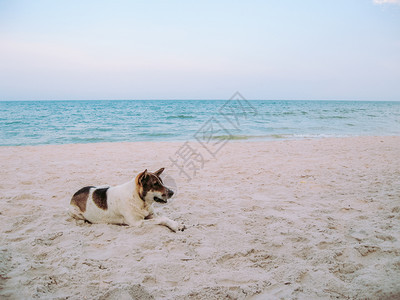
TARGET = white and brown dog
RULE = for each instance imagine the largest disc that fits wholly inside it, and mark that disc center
(129, 203)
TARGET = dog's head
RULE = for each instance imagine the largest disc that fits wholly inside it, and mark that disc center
(151, 188)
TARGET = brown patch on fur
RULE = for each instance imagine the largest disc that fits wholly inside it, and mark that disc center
(138, 183)
(100, 198)
(147, 181)
(80, 198)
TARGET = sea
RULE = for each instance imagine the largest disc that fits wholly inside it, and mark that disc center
(69, 122)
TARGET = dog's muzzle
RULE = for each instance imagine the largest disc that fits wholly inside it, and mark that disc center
(165, 197)
(159, 200)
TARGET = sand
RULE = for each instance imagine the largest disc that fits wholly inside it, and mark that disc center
(306, 219)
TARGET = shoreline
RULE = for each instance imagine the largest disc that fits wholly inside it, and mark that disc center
(235, 139)
(309, 218)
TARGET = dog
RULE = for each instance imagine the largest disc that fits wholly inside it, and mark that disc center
(130, 203)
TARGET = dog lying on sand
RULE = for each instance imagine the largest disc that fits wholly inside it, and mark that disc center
(129, 203)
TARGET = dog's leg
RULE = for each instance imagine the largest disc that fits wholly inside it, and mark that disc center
(171, 224)
(132, 221)
(75, 213)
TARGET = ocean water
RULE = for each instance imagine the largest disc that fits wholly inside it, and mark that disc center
(66, 122)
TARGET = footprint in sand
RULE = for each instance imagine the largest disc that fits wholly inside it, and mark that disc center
(365, 250)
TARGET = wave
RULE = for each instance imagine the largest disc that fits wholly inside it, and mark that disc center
(248, 137)
(181, 117)
(103, 129)
(275, 136)
(15, 123)
(333, 117)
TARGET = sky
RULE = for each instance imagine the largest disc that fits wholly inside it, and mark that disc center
(271, 50)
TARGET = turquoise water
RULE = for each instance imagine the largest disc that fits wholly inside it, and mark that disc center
(66, 122)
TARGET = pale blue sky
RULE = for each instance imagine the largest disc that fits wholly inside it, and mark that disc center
(336, 49)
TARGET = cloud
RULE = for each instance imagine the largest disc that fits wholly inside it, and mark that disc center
(387, 2)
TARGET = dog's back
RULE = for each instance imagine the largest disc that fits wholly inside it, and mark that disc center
(94, 205)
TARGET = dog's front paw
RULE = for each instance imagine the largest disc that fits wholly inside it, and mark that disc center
(175, 226)
(181, 227)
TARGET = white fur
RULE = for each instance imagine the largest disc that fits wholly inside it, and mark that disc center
(124, 207)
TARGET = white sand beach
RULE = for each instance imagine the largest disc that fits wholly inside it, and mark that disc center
(306, 219)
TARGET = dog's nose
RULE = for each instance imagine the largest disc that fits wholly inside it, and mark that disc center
(170, 193)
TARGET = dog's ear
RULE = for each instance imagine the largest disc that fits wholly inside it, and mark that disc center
(158, 173)
(143, 176)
